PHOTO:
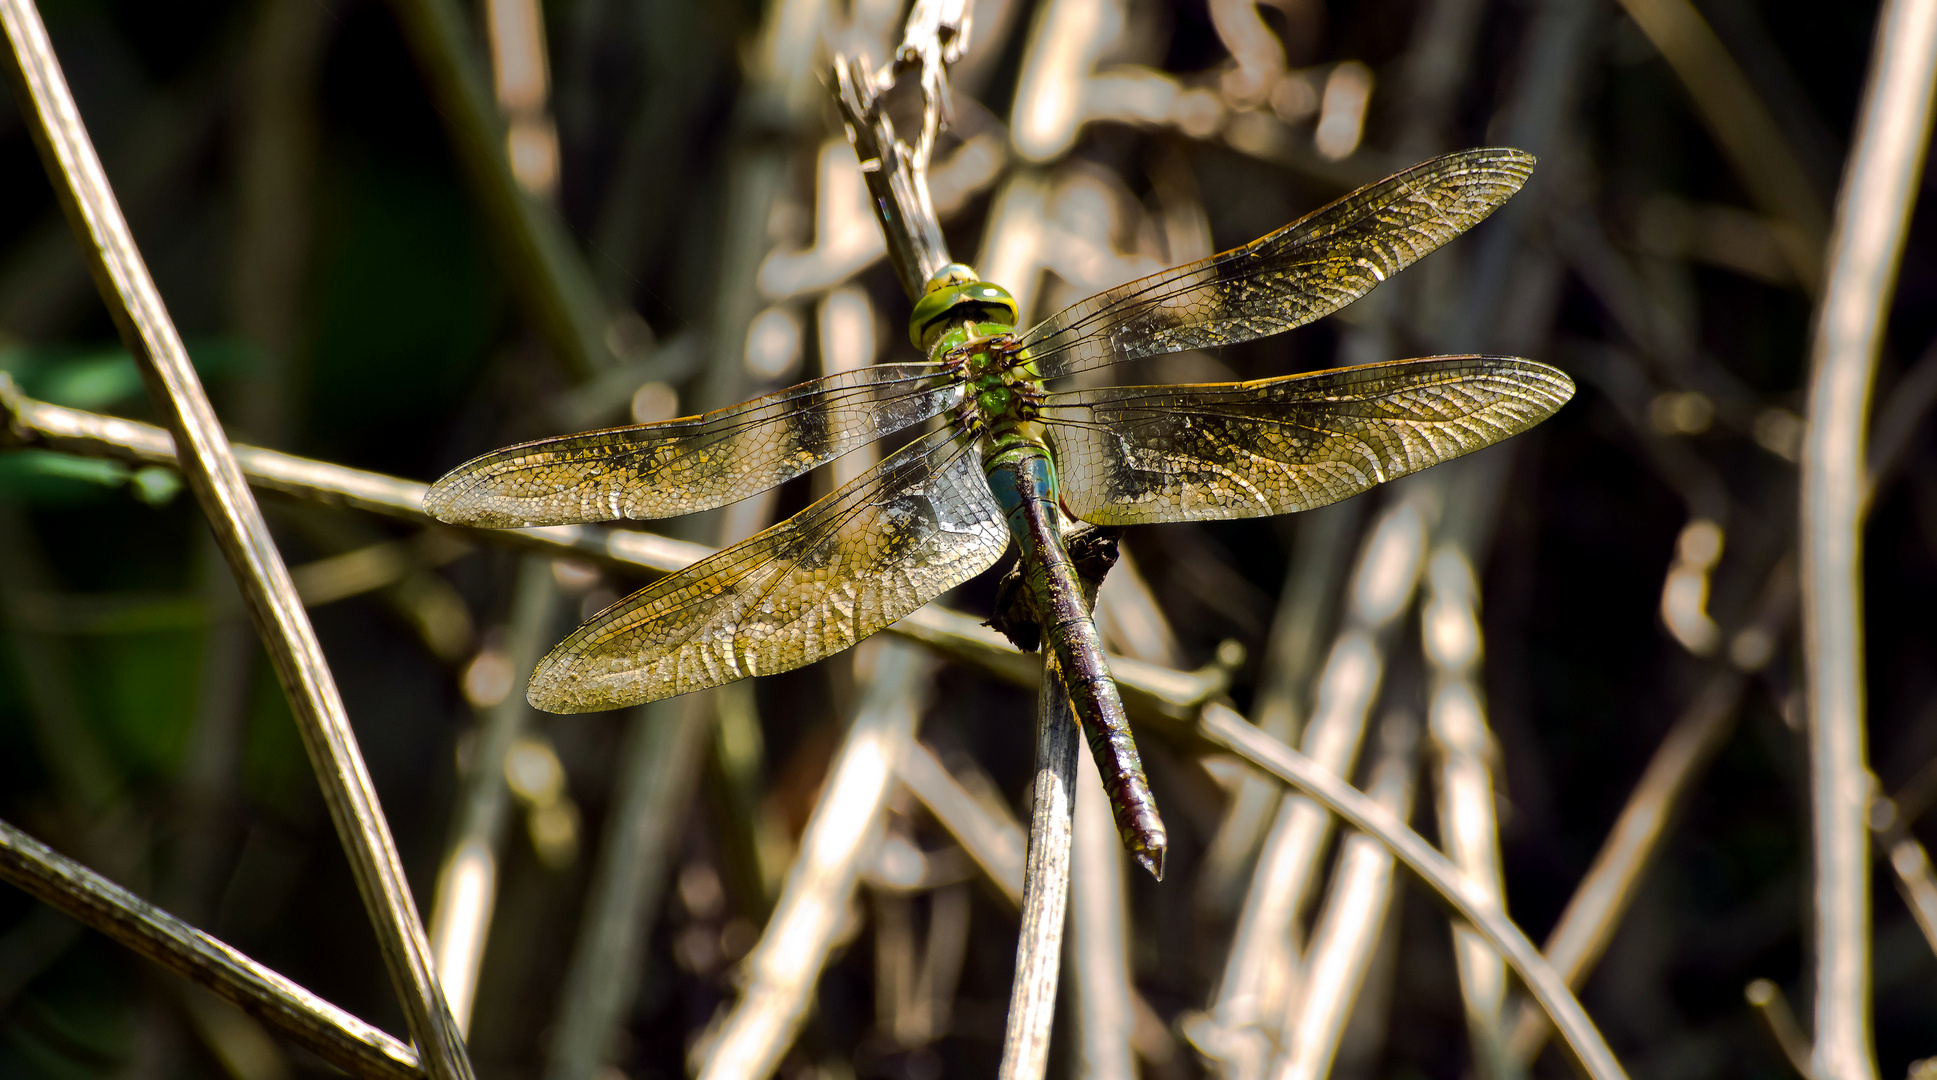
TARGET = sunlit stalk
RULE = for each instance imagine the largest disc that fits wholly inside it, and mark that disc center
(1872, 217)
(1045, 885)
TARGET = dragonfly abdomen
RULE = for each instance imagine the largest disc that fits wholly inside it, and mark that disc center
(1023, 479)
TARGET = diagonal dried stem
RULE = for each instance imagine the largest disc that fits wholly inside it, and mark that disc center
(212, 473)
(551, 277)
(301, 1017)
(1227, 729)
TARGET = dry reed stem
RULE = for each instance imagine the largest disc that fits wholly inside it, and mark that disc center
(1227, 729)
(212, 473)
(300, 1016)
(1045, 886)
(1469, 831)
(784, 967)
(1910, 864)
(1594, 912)
(1352, 920)
(1319, 564)
(1872, 217)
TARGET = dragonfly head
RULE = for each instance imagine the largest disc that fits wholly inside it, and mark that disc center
(956, 294)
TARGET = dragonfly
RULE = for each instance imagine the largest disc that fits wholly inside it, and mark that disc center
(1011, 459)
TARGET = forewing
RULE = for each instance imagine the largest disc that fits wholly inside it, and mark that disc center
(1304, 271)
(694, 463)
(898, 536)
(1139, 454)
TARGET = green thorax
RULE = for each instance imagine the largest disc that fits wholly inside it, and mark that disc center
(961, 310)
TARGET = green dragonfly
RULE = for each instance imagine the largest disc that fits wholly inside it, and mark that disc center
(1011, 459)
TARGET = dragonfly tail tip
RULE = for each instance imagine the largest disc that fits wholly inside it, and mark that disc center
(1152, 861)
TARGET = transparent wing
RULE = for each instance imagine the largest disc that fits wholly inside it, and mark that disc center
(693, 463)
(898, 536)
(1140, 454)
(1304, 271)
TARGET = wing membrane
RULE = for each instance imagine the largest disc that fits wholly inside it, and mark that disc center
(693, 463)
(1302, 272)
(1140, 454)
(898, 536)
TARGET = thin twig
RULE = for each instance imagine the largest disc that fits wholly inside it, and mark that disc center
(1319, 564)
(1045, 887)
(1872, 219)
(1910, 863)
(1780, 1024)
(1229, 730)
(996, 844)
(301, 1017)
(211, 470)
(845, 825)
(1594, 911)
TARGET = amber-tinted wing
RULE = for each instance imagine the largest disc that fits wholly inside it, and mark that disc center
(1139, 454)
(1304, 271)
(896, 537)
(694, 463)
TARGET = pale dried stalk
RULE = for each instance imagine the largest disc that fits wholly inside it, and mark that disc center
(1468, 830)
(300, 1016)
(210, 468)
(1872, 217)
(1910, 863)
(1352, 920)
(1318, 564)
(1226, 728)
(1250, 1002)
(846, 823)
(1045, 887)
